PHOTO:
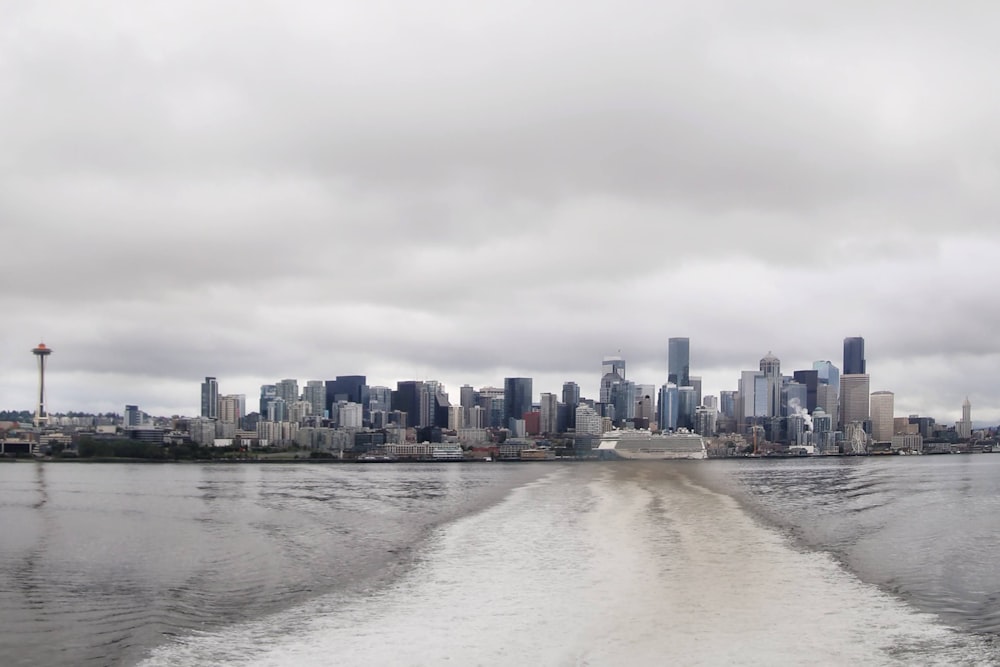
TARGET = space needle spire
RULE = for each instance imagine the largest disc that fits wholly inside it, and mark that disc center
(41, 353)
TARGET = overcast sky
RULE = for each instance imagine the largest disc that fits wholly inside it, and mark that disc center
(464, 191)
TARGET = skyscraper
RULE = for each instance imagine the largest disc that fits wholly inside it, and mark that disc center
(855, 405)
(770, 367)
(571, 399)
(406, 399)
(679, 361)
(810, 378)
(288, 390)
(268, 392)
(350, 388)
(667, 407)
(549, 413)
(516, 398)
(964, 427)
(210, 398)
(854, 356)
(882, 409)
(315, 394)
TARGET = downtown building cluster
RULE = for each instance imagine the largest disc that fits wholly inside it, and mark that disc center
(819, 410)
(824, 409)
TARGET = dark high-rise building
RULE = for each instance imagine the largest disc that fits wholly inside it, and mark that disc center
(854, 356)
(350, 388)
(268, 392)
(516, 398)
(407, 399)
(571, 399)
(810, 378)
(210, 398)
(679, 361)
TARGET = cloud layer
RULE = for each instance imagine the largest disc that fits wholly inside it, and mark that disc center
(297, 189)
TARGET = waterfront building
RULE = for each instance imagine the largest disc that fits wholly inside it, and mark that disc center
(823, 433)
(517, 397)
(467, 399)
(477, 418)
(549, 409)
(687, 407)
(854, 356)
(704, 421)
(645, 402)
(230, 408)
(349, 415)
(588, 421)
(350, 388)
(202, 430)
(571, 398)
(133, 417)
(456, 417)
(210, 398)
(405, 399)
(668, 406)
(855, 405)
(315, 394)
(679, 361)
(882, 415)
(796, 429)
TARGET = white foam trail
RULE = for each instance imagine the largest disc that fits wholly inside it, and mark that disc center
(599, 566)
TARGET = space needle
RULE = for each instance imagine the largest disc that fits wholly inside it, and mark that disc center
(41, 352)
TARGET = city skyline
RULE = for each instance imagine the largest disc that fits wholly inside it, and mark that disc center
(467, 193)
(294, 388)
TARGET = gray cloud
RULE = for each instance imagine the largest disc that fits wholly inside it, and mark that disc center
(262, 190)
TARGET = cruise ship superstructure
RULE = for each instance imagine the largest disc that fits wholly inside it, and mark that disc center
(645, 445)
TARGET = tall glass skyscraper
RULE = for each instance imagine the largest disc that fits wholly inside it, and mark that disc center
(210, 398)
(854, 356)
(679, 361)
(516, 398)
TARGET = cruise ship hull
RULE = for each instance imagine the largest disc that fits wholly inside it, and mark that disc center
(645, 446)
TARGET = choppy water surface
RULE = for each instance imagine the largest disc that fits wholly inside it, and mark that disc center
(749, 562)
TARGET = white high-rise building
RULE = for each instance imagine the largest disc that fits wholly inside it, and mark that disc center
(964, 428)
(770, 367)
(349, 415)
(588, 422)
(882, 414)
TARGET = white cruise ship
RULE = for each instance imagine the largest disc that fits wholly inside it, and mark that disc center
(642, 444)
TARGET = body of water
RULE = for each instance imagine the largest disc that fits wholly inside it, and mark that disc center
(817, 561)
